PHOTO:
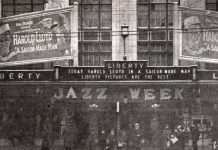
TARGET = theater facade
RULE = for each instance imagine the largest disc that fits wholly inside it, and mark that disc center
(122, 104)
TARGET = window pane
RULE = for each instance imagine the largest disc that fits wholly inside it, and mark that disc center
(211, 7)
(105, 36)
(171, 35)
(153, 47)
(157, 59)
(106, 1)
(38, 1)
(142, 56)
(95, 51)
(170, 15)
(8, 10)
(143, 46)
(23, 1)
(158, 18)
(105, 56)
(143, 1)
(22, 9)
(9, 13)
(21, 6)
(169, 59)
(72, 1)
(7, 2)
(90, 16)
(106, 16)
(158, 1)
(106, 47)
(158, 15)
(95, 58)
(143, 35)
(91, 59)
(90, 1)
(170, 47)
(38, 7)
(152, 60)
(171, 1)
(211, 1)
(90, 47)
(93, 36)
(88, 59)
(158, 35)
(162, 60)
(158, 47)
(143, 15)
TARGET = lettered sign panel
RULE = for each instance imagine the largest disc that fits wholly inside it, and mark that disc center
(114, 92)
(39, 36)
(198, 35)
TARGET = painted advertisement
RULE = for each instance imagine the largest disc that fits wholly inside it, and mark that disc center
(199, 35)
(36, 37)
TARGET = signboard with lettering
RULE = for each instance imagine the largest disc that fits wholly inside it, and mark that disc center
(39, 36)
(112, 71)
(26, 75)
(124, 70)
(89, 92)
(199, 36)
(207, 75)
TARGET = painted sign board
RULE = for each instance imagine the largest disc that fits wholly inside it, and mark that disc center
(38, 36)
(80, 92)
(207, 75)
(198, 35)
(124, 70)
(112, 71)
(26, 75)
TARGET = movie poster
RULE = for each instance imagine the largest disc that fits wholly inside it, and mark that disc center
(199, 36)
(36, 38)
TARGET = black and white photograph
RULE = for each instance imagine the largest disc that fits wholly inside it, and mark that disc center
(109, 75)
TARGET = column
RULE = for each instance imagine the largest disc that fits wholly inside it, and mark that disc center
(124, 12)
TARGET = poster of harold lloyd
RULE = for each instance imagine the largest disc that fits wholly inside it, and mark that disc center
(199, 35)
(37, 37)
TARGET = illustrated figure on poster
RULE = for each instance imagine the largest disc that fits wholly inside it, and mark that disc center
(195, 133)
(60, 27)
(5, 43)
(192, 36)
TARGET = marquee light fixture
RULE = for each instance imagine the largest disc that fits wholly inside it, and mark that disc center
(124, 34)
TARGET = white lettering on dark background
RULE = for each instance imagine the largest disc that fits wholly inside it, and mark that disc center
(151, 94)
(135, 93)
(20, 76)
